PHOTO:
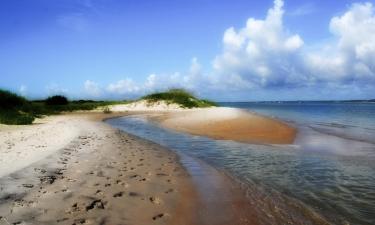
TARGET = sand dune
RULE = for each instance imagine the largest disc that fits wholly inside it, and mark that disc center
(143, 105)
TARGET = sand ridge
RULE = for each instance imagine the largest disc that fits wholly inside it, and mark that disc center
(229, 124)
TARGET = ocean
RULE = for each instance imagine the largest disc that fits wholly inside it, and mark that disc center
(328, 172)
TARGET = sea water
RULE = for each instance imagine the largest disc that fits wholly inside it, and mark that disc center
(329, 170)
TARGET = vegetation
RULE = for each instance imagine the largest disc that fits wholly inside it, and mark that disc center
(179, 96)
(15, 109)
(57, 100)
(107, 110)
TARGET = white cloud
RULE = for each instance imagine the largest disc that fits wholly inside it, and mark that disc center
(23, 90)
(124, 87)
(265, 54)
(55, 89)
(262, 53)
(92, 88)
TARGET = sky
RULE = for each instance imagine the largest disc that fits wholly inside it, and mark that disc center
(224, 50)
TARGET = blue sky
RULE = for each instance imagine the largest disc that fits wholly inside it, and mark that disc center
(223, 50)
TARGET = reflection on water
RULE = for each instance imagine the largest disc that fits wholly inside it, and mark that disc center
(336, 183)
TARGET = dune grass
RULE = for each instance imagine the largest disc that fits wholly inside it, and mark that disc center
(15, 109)
(179, 96)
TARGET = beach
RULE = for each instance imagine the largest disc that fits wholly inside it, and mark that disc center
(88, 180)
(228, 124)
(75, 169)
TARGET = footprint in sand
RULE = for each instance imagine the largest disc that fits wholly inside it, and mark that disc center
(134, 176)
(158, 216)
(81, 221)
(96, 204)
(162, 174)
(28, 185)
(134, 194)
(155, 200)
(169, 191)
(118, 194)
(47, 179)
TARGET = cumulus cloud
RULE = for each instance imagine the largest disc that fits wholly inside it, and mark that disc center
(261, 54)
(23, 90)
(265, 54)
(193, 79)
(55, 89)
(124, 87)
(351, 56)
(92, 88)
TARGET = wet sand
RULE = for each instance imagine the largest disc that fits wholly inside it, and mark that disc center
(103, 176)
(229, 124)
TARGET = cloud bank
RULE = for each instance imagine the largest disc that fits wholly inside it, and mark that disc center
(265, 55)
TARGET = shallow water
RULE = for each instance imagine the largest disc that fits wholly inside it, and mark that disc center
(332, 175)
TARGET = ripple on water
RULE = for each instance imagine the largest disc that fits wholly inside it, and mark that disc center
(338, 186)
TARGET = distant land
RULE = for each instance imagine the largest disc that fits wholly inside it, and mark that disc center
(302, 101)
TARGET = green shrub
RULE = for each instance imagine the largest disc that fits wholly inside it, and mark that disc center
(15, 117)
(107, 110)
(57, 100)
(9, 100)
(179, 96)
(15, 109)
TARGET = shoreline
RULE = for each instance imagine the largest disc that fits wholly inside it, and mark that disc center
(92, 177)
(153, 191)
(228, 124)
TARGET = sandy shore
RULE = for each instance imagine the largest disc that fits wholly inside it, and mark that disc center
(98, 176)
(229, 124)
(75, 169)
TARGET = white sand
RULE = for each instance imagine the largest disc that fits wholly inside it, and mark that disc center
(101, 176)
(21, 146)
(144, 105)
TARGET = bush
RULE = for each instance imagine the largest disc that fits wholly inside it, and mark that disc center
(15, 117)
(179, 96)
(57, 100)
(107, 110)
(14, 109)
(9, 100)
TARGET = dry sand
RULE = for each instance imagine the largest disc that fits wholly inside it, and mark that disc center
(100, 176)
(215, 122)
(74, 169)
(229, 124)
(144, 105)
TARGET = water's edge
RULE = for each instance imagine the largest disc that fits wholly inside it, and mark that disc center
(270, 174)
